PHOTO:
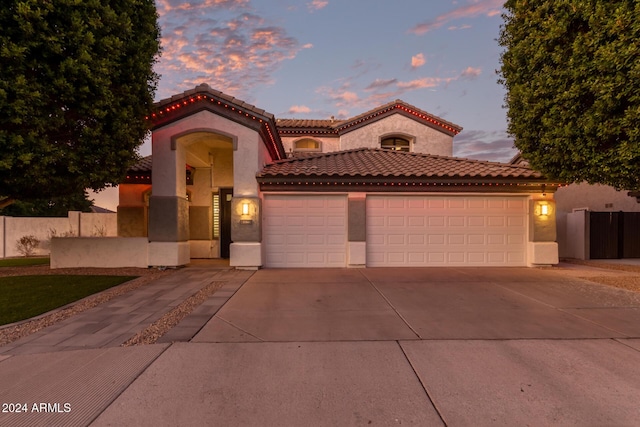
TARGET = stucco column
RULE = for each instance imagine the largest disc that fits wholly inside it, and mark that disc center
(246, 230)
(168, 206)
(542, 245)
(357, 230)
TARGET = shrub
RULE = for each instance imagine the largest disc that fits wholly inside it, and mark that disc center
(27, 245)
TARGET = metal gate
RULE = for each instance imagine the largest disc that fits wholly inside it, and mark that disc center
(614, 235)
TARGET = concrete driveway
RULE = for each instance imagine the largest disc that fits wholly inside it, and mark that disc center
(441, 346)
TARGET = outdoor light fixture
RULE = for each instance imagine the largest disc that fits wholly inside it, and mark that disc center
(245, 208)
(543, 208)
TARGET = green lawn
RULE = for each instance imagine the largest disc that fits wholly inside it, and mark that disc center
(23, 262)
(22, 297)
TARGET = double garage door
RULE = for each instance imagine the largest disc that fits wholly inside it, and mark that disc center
(402, 231)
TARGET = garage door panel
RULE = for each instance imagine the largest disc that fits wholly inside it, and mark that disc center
(415, 221)
(305, 230)
(455, 204)
(457, 258)
(475, 239)
(435, 221)
(436, 204)
(446, 230)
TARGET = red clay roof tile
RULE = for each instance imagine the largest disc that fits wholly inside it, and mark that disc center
(366, 162)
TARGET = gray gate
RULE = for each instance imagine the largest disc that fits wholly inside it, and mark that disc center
(614, 235)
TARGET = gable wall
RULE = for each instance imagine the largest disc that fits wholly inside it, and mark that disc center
(328, 144)
(427, 139)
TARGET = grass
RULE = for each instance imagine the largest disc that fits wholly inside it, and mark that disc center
(23, 297)
(23, 262)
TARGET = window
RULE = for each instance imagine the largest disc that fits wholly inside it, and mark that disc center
(216, 216)
(396, 144)
(306, 144)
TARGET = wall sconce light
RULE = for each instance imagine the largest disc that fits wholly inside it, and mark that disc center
(245, 208)
(543, 208)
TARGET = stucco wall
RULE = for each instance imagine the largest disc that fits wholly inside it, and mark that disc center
(75, 224)
(427, 140)
(105, 252)
(327, 144)
(595, 198)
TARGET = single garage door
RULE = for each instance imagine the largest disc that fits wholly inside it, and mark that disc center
(305, 230)
(446, 231)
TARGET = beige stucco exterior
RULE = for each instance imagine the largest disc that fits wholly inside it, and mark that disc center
(224, 143)
(327, 143)
(424, 139)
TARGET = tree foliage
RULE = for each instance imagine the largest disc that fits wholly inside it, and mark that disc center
(572, 73)
(51, 207)
(76, 82)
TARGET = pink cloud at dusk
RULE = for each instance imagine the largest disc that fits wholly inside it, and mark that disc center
(236, 53)
(477, 7)
(298, 109)
(317, 5)
(418, 60)
(471, 73)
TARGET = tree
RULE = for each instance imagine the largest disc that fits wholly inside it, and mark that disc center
(76, 83)
(52, 207)
(572, 73)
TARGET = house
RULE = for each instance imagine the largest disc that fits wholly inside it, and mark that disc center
(228, 180)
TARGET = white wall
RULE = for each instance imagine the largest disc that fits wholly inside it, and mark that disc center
(577, 235)
(99, 252)
(75, 224)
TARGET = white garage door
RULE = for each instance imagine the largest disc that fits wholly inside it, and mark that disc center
(446, 231)
(305, 231)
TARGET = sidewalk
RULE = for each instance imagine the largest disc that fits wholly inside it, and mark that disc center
(116, 321)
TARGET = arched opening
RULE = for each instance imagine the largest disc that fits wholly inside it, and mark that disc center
(307, 145)
(209, 185)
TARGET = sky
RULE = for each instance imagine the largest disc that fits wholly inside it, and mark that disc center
(320, 58)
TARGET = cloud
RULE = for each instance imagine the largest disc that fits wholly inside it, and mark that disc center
(471, 73)
(418, 61)
(299, 109)
(166, 6)
(235, 52)
(317, 5)
(461, 27)
(380, 84)
(477, 7)
(495, 146)
(340, 97)
(426, 82)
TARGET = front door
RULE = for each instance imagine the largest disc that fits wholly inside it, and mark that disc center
(225, 221)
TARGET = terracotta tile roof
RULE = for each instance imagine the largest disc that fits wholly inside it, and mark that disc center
(378, 163)
(143, 165)
(400, 105)
(307, 123)
(202, 97)
(206, 89)
(299, 126)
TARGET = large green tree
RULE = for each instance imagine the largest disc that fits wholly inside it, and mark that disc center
(572, 73)
(76, 82)
(54, 207)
